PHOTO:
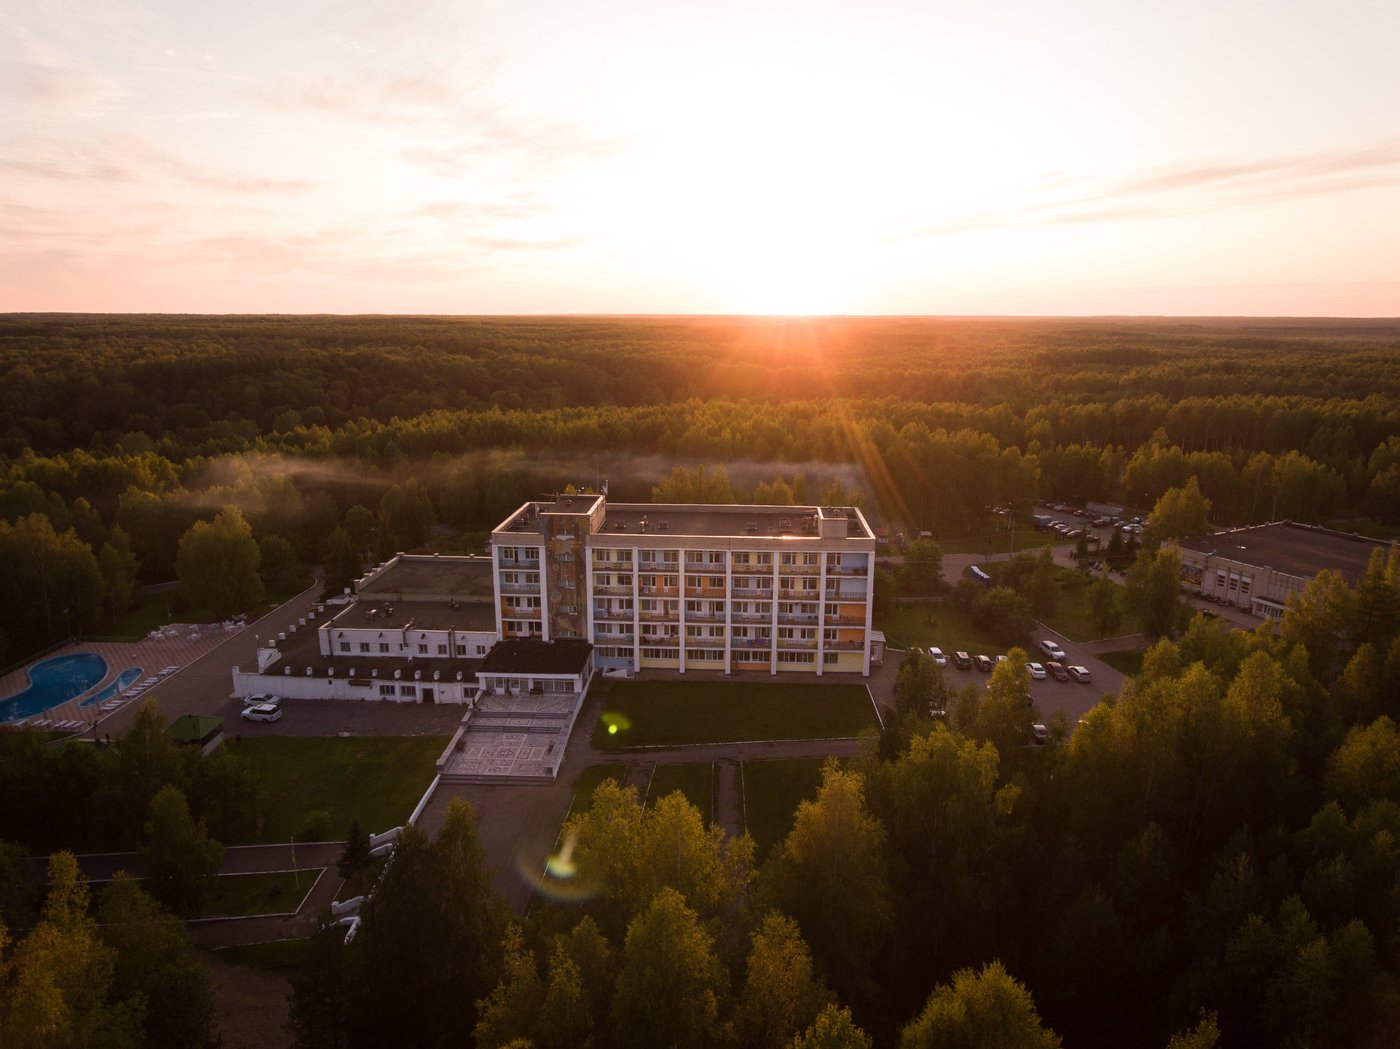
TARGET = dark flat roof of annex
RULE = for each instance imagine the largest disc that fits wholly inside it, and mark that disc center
(438, 576)
(1300, 550)
(421, 615)
(520, 655)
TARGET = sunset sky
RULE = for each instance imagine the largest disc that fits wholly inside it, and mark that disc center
(538, 156)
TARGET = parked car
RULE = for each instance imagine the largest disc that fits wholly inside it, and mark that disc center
(962, 660)
(263, 699)
(1057, 671)
(1037, 671)
(1052, 651)
(939, 659)
(619, 672)
(262, 712)
(1040, 735)
(984, 663)
(1079, 673)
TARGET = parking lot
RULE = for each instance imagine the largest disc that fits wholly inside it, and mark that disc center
(1073, 698)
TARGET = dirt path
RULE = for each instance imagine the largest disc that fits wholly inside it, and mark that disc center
(729, 800)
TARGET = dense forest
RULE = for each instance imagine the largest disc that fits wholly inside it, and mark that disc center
(344, 439)
(1209, 859)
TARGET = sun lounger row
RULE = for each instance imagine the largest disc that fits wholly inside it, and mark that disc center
(50, 723)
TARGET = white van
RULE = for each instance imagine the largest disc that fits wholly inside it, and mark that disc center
(1053, 651)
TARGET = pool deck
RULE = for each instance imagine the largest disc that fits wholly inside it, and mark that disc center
(159, 657)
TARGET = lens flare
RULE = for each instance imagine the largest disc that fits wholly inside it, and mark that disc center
(616, 722)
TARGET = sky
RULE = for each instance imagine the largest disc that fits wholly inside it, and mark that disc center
(736, 156)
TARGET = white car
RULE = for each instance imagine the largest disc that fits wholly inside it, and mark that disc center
(262, 712)
(1040, 734)
(1053, 651)
(1037, 671)
(1079, 673)
(619, 672)
(939, 659)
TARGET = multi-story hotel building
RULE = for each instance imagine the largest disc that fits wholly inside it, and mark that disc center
(690, 586)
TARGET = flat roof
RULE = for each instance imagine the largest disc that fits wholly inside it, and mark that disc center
(718, 520)
(528, 655)
(582, 503)
(370, 612)
(302, 649)
(1294, 549)
(462, 577)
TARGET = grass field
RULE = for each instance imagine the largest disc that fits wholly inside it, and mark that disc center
(696, 782)
(935, 623)
(241, 895)
(1128, 661)
(676, 713)
(376, 780)
(772, 791)
(1071, 618)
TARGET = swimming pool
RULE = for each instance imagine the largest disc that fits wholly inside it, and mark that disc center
(52, 682)
(123, 682)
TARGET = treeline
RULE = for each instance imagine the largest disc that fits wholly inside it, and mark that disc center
(90, 381)
(1210, 859)
(343, 440)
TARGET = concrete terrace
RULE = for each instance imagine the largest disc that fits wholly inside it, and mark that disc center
(518, 738)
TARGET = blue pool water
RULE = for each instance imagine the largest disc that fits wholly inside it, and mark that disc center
(52, 682)
(124, 681)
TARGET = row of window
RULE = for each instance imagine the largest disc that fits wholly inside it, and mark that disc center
(462, 651)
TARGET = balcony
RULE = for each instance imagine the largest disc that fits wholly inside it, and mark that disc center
(610, 565)
(844, 646)
(512, 612)
(750, 617)
(800, 569)
(613, 615)
(844, 621)
(660, 591)
(798, 617)
(613, 590)
(848, 571)
(520, 588)
(750, 643)
(704, 617)
(797, 642)
(658, 616)
(751, 591)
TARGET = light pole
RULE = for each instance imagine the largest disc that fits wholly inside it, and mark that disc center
(67, 625)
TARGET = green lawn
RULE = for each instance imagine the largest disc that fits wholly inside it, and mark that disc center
(1072, 616)
(375, 779)
(275, 956)
(935, 623)
(1128, 661)
(772, 791)
(676, 713)
(696, 782)
(240, 895)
